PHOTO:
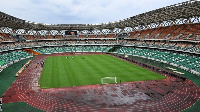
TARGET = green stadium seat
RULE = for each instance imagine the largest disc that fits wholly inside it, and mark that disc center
(181, 60)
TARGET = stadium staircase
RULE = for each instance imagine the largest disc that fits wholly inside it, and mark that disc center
(32, 52)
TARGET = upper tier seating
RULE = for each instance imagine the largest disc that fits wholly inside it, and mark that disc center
(175, 32)
(185, 47)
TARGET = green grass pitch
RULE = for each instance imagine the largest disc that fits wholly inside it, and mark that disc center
(89, 69)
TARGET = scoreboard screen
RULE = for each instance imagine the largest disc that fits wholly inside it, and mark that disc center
(70, 32)
(122, 36)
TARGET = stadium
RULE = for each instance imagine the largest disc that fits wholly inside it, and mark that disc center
(145, 63)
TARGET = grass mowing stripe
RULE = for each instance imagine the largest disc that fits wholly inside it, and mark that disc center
(76, 72)
(89, 69)
(102, 65)
(81, 78)
(66, 70)
(121, 64)
(114, 70)
(60, 71)
(69, 72)
(99, 69)
(117, 68)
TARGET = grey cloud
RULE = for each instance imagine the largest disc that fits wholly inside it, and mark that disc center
(80, 11)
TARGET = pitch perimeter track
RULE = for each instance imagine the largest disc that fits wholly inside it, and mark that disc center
(171, 94)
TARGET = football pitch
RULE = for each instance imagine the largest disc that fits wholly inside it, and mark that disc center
(67, 71)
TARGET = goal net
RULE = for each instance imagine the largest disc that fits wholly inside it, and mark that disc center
(108, 80)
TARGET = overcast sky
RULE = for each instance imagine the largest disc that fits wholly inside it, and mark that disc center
(79, 11)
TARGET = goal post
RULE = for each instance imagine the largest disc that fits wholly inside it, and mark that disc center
(108, 80)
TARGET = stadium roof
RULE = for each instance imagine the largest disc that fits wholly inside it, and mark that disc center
(184, 12)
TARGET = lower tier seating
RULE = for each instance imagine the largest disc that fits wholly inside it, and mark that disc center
(9, 57)
(184, 61)
(51, 50)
